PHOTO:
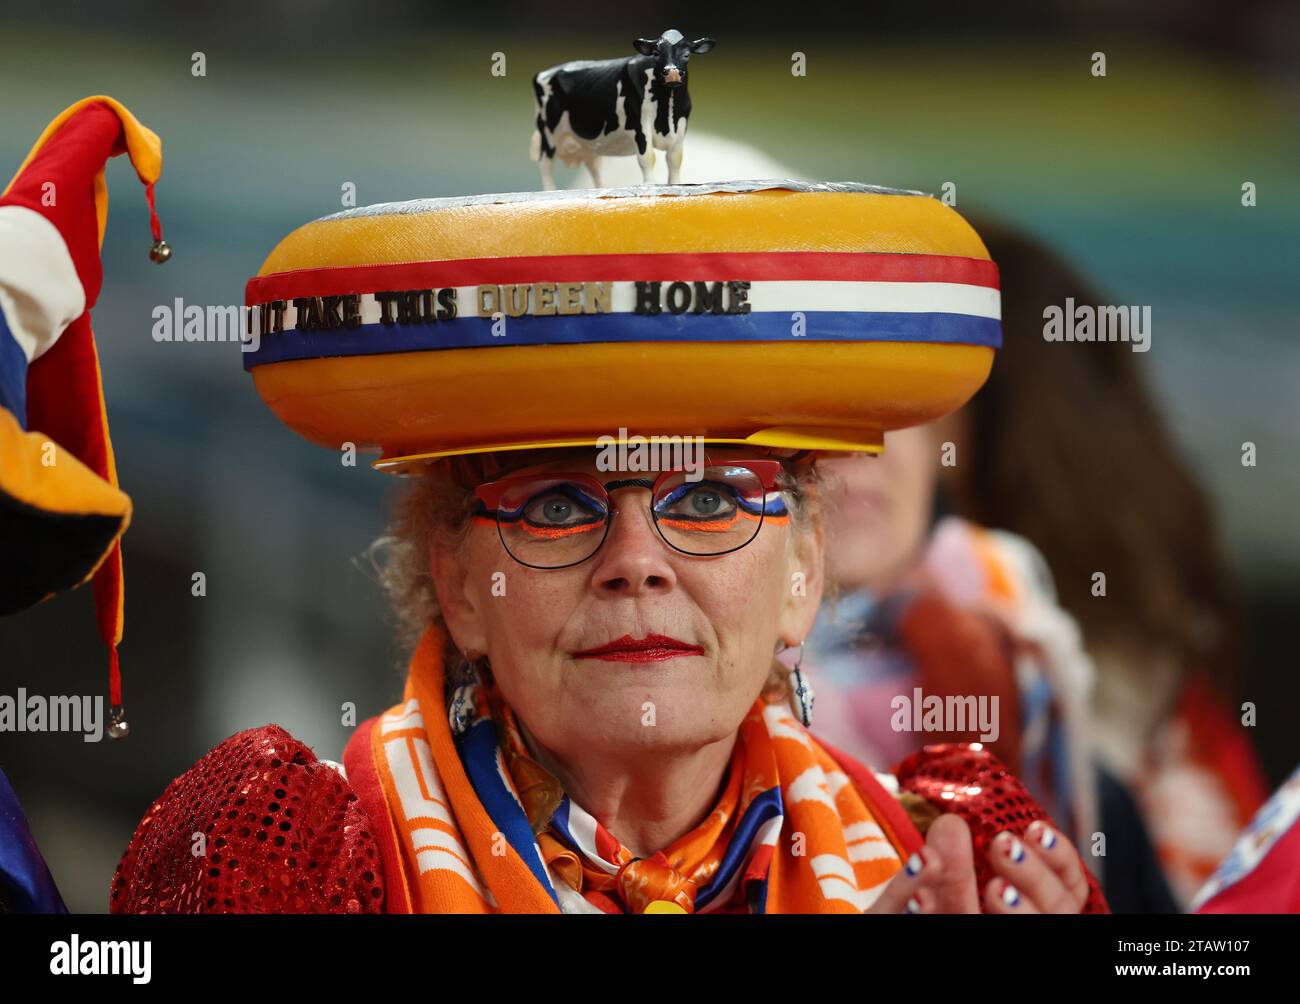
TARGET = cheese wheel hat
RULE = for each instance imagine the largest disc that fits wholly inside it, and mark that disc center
(778, 313)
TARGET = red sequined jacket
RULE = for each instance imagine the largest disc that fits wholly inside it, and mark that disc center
(260, 825)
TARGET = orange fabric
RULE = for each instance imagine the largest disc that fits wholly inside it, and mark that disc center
(39, 473)
(673, 875)
(830, 853)
(47, 482)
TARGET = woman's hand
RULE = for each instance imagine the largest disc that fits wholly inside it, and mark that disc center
(1041, 873)
(939, 878)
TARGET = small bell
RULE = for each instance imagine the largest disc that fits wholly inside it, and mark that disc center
(160, 251)
(118, 726)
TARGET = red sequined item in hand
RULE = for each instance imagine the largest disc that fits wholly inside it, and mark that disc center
(966, 779)
(284, 833)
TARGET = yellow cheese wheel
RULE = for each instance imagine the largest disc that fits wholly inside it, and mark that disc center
(778, 313)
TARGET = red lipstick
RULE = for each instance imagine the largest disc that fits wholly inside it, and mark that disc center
(651, 648)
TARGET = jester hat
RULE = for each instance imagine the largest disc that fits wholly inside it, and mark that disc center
(62, 513)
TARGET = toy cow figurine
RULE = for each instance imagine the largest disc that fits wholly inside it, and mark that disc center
(588, 109)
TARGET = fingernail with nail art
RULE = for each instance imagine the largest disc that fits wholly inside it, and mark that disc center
(914, 865)
(1010, 897)
(1016, 851)
(1048, 839)
(913, 905)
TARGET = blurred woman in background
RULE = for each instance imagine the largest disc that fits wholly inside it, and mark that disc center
(934, 611)
(1064, 449)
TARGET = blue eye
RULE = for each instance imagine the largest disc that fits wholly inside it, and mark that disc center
(564, 504)
(698, 500)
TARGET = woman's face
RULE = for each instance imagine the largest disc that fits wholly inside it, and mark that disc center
(878, 508)
(533, 623)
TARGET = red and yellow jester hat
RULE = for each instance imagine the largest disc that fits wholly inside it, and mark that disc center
(61, 511)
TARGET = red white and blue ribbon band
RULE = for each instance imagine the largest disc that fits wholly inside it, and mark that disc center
(816, 296)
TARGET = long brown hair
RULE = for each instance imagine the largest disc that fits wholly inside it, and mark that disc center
(1067, 448)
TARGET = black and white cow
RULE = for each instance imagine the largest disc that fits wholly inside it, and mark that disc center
(593, 108)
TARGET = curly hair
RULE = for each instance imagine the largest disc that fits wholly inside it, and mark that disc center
(436, 510)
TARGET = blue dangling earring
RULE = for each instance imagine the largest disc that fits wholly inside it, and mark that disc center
(801, 692)
(462, 709)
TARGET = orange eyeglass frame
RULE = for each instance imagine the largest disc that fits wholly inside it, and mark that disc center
(491, 493)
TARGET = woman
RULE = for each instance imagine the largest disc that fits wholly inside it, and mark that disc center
(931, 607)
(1165, 633)
(708, 795)
(588, 721)
(1152, 695)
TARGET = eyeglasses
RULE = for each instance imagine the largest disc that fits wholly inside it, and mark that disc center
(555, 520)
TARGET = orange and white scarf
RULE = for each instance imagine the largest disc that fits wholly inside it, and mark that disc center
(798, 828)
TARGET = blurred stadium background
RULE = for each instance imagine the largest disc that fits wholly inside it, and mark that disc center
(1136, 177)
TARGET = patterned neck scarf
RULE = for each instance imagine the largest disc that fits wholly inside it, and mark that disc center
(689, 873)
(794, 830)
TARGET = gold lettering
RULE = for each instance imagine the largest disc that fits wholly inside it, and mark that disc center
(570, 298)
(543, 298)
(600, 297)
(514, 299)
